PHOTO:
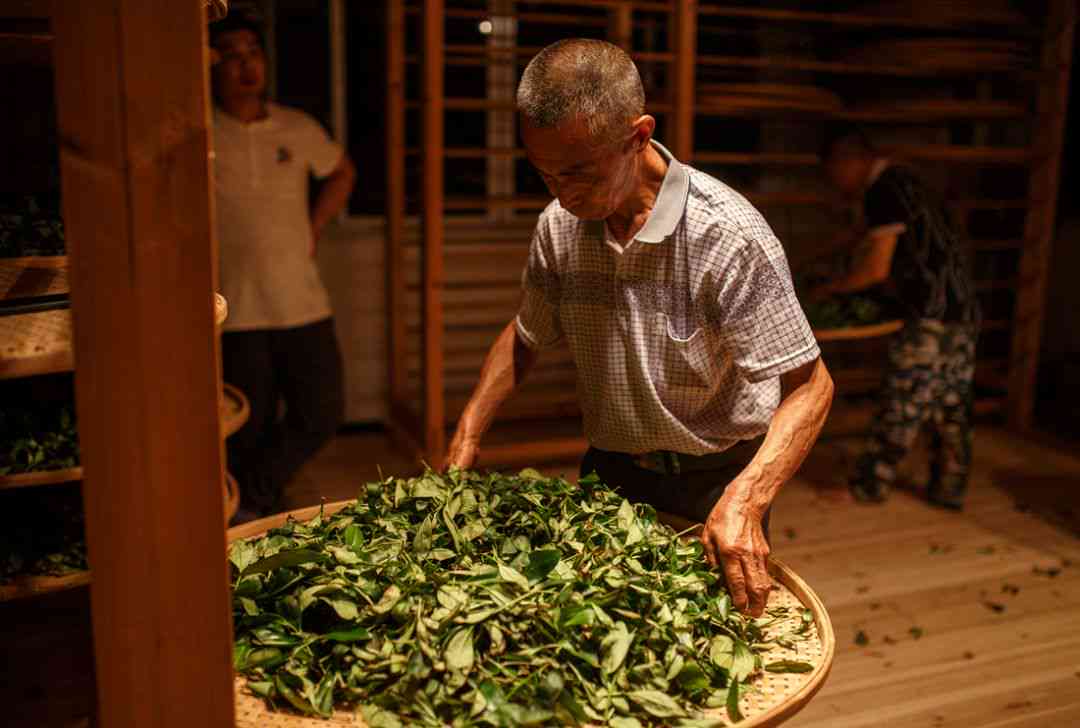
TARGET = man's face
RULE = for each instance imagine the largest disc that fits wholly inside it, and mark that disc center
(591, 179)
(846, 174)
(241, 72)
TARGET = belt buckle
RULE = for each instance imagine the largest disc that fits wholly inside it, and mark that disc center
(662, 462)
(651, 461)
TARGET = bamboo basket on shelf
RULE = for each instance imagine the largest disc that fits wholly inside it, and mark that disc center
(853, 333)
(771, 699)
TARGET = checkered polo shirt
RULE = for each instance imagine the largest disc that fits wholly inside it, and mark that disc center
(679, 337)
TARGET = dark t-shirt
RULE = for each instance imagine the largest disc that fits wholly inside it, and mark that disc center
(930, 274)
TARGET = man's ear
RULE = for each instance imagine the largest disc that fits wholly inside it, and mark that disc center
(644, 126)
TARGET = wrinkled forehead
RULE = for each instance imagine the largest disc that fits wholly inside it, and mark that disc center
(556, 150)
(241, 39)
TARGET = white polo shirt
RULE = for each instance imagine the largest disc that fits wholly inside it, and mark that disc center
(264, 224)
(680, 336)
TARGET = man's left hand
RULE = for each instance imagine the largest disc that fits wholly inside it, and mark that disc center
(733, 539)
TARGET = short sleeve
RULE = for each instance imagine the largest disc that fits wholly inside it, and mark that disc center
(883, 206)
(322, 153)
(537, 321)
(757, 317)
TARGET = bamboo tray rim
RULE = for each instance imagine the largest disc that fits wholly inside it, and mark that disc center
(780, 571)
(849, 333)
(41, 477)
(25, 587)
(236, 410)
(232, 497)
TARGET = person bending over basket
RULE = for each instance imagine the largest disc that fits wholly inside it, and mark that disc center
(910, 250)
(701, 384)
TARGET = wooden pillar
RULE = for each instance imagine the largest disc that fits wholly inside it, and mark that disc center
(621, 26)
(133, 116)
(685, 60)
(432, 144)
(395, 201)
(1039, 228)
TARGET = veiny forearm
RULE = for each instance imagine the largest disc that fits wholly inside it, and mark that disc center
(333, 196)
(792, 433)
(506, 365)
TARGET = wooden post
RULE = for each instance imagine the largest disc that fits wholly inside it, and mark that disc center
(432, 143)
(685, 60)
(621, 26)
(1040, 224)
(395, 200)
(133, 116)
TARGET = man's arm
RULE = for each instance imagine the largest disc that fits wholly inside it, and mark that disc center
(332, 197)
(871, 267)
(733, 536)
(505, 367)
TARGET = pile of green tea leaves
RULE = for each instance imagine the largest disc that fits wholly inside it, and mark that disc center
(41, 532)
(843, 312)
(466, 599)
(31, 225)
(38, 436)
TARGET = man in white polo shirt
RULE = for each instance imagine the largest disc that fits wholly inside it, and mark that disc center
(279, 343)
(700, 382)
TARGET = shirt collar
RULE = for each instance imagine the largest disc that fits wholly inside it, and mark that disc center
(670, 201)
(225, 119)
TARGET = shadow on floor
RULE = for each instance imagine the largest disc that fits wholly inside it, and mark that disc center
(1052, 498)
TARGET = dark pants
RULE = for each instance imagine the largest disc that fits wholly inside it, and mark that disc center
(691, 495)
(928, 384)
(300, 366)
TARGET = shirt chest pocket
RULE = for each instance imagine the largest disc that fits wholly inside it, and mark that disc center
(682, 365)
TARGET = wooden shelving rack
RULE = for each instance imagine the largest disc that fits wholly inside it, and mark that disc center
(453, 282)
(132, 117)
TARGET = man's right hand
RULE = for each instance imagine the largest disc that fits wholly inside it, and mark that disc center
(462, 452)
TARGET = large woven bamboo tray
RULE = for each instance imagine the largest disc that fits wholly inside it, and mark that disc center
(773, 698)
(40, 343)
(850, 333)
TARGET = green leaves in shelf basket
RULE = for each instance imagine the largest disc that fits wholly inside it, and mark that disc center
(468, 599)
(37, 437)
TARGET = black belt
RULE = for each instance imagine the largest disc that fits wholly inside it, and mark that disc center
(666, 462)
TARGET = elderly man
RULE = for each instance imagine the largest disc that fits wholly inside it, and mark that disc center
(700, 381)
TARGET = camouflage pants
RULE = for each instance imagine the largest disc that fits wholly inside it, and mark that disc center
(928, 383)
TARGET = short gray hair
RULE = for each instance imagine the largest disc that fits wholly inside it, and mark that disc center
(592, 79)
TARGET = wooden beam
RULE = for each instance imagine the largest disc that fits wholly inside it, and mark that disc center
(433, 144)
(1039, 227)
(133, 117)
(621, 26)
(395, 198)
(685, 20)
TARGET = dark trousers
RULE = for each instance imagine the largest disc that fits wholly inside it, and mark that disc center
(928, 384)
(691, 495)
(301, 367)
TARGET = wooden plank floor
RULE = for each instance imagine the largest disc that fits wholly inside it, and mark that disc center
(971, 619)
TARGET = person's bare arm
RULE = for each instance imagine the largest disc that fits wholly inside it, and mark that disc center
(505, 367)
(733, 536)
(871, 267)
(332, 198)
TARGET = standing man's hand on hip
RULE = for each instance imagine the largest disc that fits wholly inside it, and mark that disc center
(734, 539)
